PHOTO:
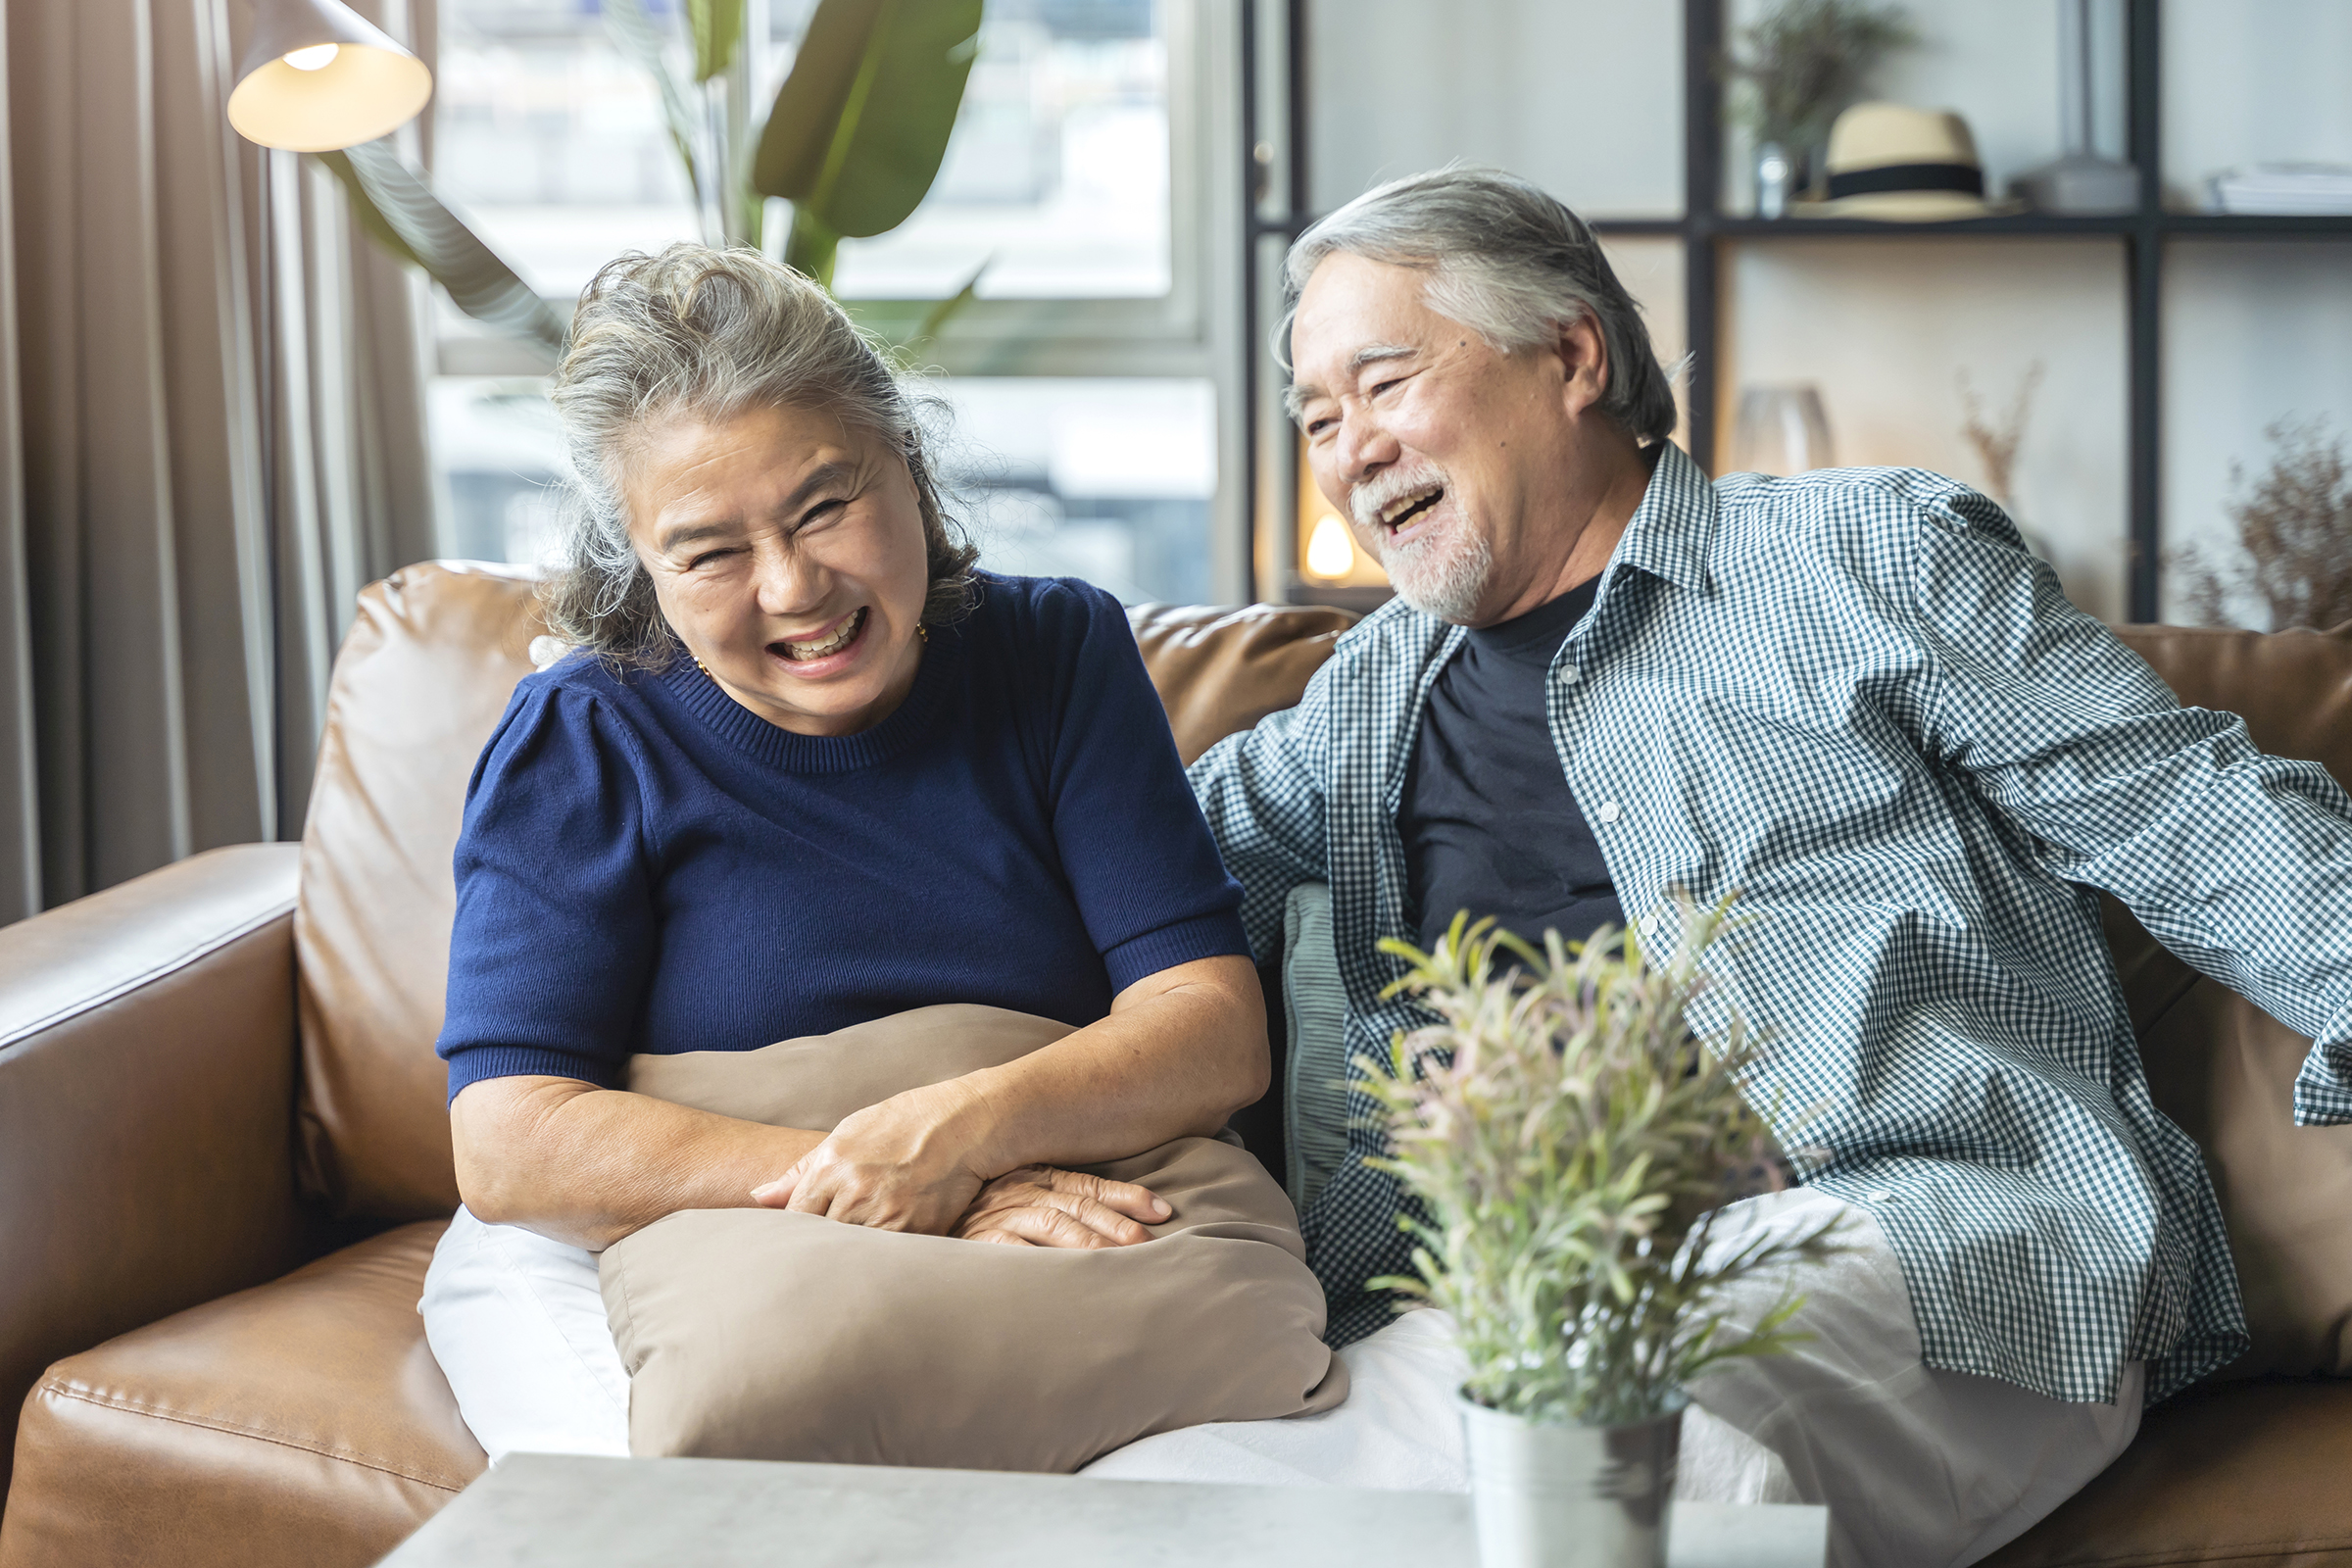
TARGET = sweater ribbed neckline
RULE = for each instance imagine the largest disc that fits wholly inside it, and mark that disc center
(790, 752)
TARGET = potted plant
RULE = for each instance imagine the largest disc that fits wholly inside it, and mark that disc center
(1569, 1142)
(1798, 67)
(2294, 558)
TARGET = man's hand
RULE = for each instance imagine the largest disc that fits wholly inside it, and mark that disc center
(1037, 1205)
(914, 1162)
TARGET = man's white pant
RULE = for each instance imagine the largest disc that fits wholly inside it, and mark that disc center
(1920, 1468)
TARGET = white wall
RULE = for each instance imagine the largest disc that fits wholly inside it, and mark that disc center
(1883, 328)
(2253, 334)
(1585, 96)
(1581, 96)
(2253, 80)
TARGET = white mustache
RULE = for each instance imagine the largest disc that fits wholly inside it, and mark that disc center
(1367, 501)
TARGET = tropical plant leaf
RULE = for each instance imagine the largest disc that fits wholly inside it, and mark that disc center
(644, 41)
(860, 126)
(718, 27)
(811, 246)
(940, 314)
(396, 205)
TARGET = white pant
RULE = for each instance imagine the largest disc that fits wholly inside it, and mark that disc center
(1919, 1467)
(517, 1324)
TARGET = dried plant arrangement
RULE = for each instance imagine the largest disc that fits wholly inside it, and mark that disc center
(2294, 537)
(1997, 445)
(1804, 61)
(1571, 1142)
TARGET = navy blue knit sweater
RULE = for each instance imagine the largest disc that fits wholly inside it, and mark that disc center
(646, 866)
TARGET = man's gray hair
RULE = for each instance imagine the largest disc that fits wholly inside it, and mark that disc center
(709, 334)
(1505, 260)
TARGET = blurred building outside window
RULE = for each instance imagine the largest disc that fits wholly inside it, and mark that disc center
(1076, 147)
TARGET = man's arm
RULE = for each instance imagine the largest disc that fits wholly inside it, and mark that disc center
(1263, 791)
(2239, 863)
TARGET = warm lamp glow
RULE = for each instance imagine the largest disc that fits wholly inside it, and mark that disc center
(1330, 553)
(317, 77)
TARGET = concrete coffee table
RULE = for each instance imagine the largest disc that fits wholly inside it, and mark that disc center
(718, 1513)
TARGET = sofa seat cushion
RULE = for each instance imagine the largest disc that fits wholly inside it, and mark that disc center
(2250, 1474)
(303, 1421)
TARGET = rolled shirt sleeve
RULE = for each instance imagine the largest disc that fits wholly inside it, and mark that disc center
(2239, 862)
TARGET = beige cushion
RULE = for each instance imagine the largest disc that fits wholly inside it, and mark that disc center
(757, 1334)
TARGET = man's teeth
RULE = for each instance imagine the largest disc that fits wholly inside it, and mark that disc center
(831, 645)
(1396, 511)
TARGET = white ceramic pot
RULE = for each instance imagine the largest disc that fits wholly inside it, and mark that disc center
(1571, 1496)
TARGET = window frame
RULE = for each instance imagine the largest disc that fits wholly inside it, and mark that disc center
(1193, 331)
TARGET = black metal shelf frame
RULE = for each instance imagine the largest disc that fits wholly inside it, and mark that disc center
(1705, 228)
(2144, 234)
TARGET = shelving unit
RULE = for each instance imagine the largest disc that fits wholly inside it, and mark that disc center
(1704, 229)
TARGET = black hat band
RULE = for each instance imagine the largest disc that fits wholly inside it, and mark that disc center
(1966, 179)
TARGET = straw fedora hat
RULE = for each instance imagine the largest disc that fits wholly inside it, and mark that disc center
(1908, 164)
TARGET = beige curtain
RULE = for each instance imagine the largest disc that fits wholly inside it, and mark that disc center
(211, 436)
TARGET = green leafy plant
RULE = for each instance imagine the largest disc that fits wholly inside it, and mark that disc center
(2294, 537)
(1804, 61)
(1570, 1144)
(856, 132)
(854, 140)
(397, 206)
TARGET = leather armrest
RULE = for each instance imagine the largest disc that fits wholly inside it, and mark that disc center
(147, 1061)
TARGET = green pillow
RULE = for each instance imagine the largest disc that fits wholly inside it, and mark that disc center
(1315, 1005)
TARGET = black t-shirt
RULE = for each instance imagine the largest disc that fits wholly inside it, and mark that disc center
(1488, 819)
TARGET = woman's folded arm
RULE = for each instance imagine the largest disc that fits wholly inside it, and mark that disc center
(1181, 1050)
(588, 1166)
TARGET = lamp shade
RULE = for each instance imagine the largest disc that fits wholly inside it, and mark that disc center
(318, 76)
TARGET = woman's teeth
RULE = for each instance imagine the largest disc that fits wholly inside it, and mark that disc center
(801, 653)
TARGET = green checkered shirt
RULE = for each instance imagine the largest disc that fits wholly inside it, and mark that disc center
(1854, 699)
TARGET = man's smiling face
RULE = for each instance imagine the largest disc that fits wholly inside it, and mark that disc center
(1452, 459)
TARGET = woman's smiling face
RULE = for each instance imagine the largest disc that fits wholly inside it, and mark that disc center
(787, 552)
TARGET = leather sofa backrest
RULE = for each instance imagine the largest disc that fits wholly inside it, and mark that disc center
(1219, 671)
(418, 688)
(2221, 1067)
(436, 652)
(2293, 687)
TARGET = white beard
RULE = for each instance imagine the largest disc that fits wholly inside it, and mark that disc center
(1442, 575)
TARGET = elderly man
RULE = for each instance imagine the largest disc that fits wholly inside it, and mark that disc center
(1857, 700)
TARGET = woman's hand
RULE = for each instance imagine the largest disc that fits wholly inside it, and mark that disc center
(914, 1162)
(1039, 1205)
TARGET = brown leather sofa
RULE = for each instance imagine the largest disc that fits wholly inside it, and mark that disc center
(223, 1158)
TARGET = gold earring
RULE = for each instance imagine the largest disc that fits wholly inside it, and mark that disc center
(922, 631)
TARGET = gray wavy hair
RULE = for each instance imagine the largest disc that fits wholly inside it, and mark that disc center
(1505, 260)
(709, 334)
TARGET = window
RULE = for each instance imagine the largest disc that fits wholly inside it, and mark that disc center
(1094, 403)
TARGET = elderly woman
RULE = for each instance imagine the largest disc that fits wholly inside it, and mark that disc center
(806, 768)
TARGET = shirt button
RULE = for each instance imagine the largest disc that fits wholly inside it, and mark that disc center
(1568, 675)
(1606, 811)
(1879, 1197)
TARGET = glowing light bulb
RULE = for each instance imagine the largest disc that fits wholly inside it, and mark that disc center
(317, 57)
(1330, 553)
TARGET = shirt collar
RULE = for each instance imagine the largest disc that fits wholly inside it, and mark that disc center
(1669, 530)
